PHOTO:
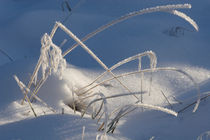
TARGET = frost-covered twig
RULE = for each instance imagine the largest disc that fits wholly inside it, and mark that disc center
(165, 8)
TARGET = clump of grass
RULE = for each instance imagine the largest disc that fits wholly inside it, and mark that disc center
(52, 60)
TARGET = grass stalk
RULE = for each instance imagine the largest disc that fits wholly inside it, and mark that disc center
(165, 8)
(155, 70)
(166, 99)
(195, 102)
(24, 90)
(150, 54)
(91, 54)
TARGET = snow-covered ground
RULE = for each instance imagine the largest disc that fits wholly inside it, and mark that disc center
(174, 41)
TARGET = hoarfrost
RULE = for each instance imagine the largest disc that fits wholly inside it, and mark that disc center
(169, 111)
(187, 18)
(51, 57)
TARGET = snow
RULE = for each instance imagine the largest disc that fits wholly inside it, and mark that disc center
(104, 70)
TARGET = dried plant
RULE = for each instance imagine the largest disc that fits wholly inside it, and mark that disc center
(52, 60)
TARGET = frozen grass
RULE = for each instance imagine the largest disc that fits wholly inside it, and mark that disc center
(52, 60)
(150, 54)
(166, 8)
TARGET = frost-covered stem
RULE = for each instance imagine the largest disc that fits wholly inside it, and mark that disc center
(24, 89)
(166, 99)
(150, 54)
(53, 31)
(152, 66)
(169, 111)
(150, 83)
(39, 85)
(166, 8)
(106, 113)
(208, 94)
(128, 109)
(155, 70)
(108, 97)
(73, 102)
(121, 113)
(187, 18)
(106, 119)
(50, 59)
(40, 100)
(141, 78)
(97, 78)
(100, 117)
(90, 52)
(99, 110)
(81, 44)
(38, 65)
(46, 42)
(29, 102)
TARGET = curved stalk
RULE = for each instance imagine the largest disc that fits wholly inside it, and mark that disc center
(166, 8)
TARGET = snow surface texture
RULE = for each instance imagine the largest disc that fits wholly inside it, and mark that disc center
(169, 89)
